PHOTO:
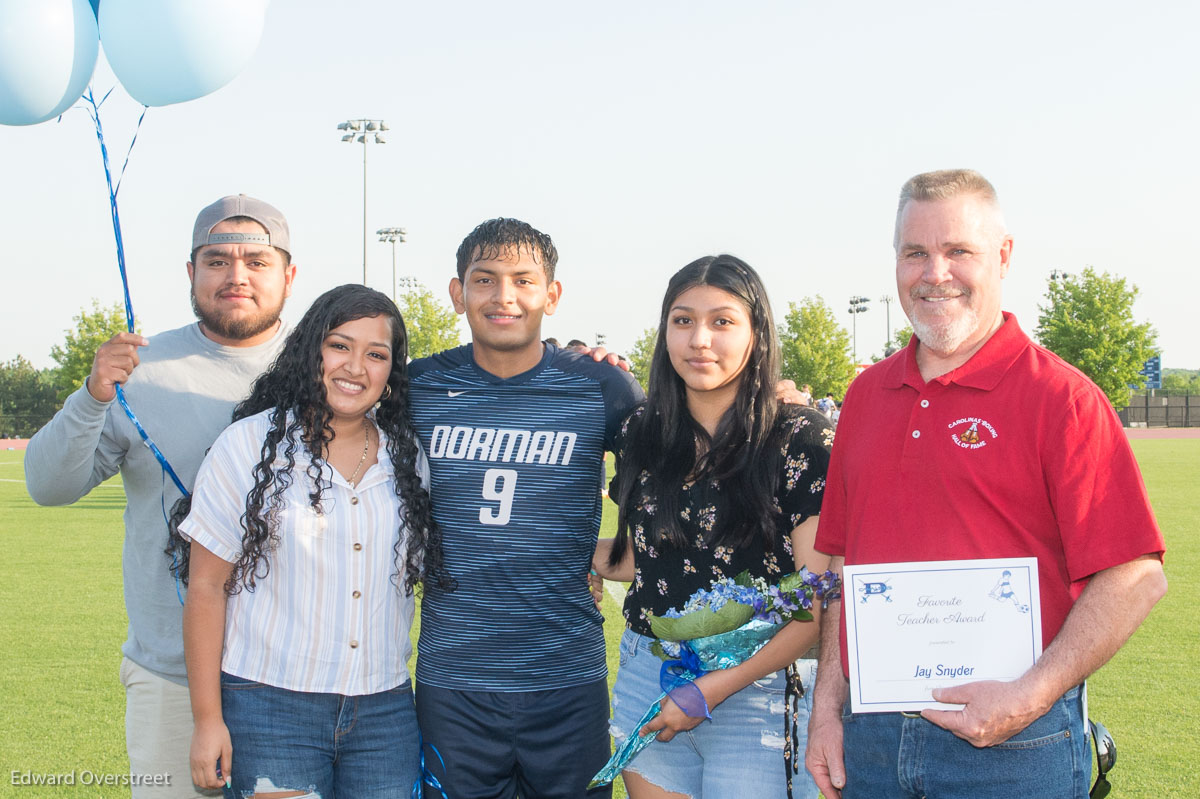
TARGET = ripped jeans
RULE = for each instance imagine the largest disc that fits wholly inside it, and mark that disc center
(738, 753)
(322, 745)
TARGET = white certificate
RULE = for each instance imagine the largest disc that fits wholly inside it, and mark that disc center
(913, 627)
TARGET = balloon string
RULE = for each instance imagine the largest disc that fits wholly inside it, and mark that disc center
(94, 113)
(132, 142)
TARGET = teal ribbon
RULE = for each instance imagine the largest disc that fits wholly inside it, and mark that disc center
(629, 749)
(677, 678)
(426, 777)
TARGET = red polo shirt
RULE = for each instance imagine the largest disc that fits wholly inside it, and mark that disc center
(1014, 454)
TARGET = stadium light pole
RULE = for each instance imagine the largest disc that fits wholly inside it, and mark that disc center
(409, 282)
(887, 300)
(393, 235)
(857, 305)
(361, 130)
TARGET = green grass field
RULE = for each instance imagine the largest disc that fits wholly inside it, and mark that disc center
(62, 621)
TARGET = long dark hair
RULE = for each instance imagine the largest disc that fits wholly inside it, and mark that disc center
(294, 385)
(670, 447)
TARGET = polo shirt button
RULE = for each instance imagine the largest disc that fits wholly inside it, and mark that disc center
(354, 644)
(356, 594)
(358, 547)
(916, 434)
(353, 500)
(924, 403)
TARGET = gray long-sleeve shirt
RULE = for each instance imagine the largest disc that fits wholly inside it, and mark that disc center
(183, 393)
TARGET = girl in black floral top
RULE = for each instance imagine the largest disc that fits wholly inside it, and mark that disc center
(714, 477)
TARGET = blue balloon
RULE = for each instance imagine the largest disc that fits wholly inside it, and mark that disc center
(172, 51)
(48, 52)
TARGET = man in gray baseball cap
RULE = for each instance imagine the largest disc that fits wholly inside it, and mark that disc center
(245, 209)
(183, 385)
(241, 270)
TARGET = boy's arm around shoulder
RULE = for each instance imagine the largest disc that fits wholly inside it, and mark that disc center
(622, 393)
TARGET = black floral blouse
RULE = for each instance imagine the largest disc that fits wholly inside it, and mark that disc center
(665, 575)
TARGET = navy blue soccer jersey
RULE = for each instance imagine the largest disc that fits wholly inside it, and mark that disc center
(516, 470)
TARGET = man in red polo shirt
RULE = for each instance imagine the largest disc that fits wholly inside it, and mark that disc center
(974, 442)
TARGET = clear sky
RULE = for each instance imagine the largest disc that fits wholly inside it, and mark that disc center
(641, 135)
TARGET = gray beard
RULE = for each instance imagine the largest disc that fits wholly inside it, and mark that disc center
(238, 329)
(947, 336)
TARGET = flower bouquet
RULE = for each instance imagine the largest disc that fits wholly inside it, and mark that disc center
(718, 628)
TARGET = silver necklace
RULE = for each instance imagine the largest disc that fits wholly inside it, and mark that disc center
(363, 459)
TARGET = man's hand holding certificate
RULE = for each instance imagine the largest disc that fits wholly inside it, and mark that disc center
(914, 627)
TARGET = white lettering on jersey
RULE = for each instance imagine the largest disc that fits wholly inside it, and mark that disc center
(515, 438)
(503, 445)
(481, 444)
(540, 448)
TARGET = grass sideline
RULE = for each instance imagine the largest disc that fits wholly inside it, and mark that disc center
(62, 621)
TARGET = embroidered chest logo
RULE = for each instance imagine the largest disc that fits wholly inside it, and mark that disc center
(972, 432)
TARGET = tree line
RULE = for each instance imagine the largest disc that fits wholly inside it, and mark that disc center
(1086, 318)
(29, 397)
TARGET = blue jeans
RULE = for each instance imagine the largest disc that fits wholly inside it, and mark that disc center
(327, 744)
(890, 755)
(738, 753)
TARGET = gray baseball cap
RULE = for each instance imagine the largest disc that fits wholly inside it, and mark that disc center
(240, 205)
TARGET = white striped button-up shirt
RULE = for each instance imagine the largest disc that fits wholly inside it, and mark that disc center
(328, 617)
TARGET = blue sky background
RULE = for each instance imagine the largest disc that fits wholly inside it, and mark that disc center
(641, 135)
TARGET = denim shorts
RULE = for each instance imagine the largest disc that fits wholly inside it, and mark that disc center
(739, 752)
(890, 755)
(327, 744)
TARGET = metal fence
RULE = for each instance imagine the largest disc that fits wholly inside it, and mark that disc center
(1161, 409)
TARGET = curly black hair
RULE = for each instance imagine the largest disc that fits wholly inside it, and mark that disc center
(501, 237)
(293, 385)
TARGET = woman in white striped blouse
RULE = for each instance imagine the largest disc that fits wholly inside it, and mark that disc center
(310, 525)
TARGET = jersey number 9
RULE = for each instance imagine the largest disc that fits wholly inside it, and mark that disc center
(499, 485)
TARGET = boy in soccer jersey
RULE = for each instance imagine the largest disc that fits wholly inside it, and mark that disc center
(512, 686)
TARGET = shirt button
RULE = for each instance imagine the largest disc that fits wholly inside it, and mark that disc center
(354, 644)
(353, 500)
(916, 434)
(356, 594)
(357, 547)
(924, 403)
